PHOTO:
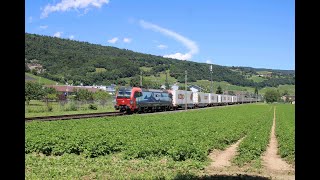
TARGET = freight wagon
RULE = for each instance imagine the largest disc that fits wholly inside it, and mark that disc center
(180, 98)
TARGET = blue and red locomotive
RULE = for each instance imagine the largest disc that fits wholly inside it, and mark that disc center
(135, 99)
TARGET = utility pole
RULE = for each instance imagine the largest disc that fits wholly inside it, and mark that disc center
(211, 87)
(242, 97)
(167, 84)
(141, 79)
(185, 81)
(227, 95)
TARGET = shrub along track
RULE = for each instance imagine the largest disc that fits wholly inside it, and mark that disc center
(273, 166)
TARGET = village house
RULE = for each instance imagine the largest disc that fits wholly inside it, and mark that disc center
(70, 90)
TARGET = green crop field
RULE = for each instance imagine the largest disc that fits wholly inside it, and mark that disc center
(285, 131)
(263, 72)
(281, 88)
(257, 78)
(161, 79)
(148, 146)
(42, 80)
(146, 69)
(224, 85)
(256, 141)
(99, 70)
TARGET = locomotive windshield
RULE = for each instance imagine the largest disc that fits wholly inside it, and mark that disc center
(124, 94)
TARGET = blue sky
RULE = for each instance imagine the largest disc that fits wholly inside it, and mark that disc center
(254, 33)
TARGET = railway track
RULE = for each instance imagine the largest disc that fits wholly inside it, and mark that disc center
(73, 116)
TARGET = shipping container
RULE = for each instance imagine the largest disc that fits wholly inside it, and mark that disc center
(203, 99)
(213, 99)
(181, 97)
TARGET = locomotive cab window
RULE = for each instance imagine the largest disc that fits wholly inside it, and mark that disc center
(164, 95)
(124, 94)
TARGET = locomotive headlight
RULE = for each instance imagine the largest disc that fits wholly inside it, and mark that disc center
(131, 102)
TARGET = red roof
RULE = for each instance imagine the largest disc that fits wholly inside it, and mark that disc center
(71, 88)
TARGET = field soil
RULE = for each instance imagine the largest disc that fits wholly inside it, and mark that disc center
(273, 167)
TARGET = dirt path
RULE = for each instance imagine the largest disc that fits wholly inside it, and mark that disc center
(273, 167)
(222, 158)
(271, 160)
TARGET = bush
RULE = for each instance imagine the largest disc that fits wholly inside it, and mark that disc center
(49, 107)
(72, 107)
(37, 110)
(272, 96)
(93, 107)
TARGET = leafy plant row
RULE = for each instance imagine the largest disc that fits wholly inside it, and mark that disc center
(285, 131)
(256, 141)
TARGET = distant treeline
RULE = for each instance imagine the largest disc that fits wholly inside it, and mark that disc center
(70, 60)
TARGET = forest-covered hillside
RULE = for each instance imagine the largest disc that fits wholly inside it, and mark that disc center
(82, 62)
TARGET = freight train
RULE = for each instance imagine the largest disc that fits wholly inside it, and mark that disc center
(135, 99)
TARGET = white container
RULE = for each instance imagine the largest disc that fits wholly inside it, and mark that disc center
(181, 97)
(203, 99)
(219, 98)
(229, 98)
(234, 99)
(213, 98)
(224, 98)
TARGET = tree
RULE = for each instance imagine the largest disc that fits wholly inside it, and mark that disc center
(135, 81)
(181, 79)
(167, 85)
(219, 90)
(231, 93)
(50, 90)
(182, 87)
(272, 96)
(256, 92)
(77, 61)
(50, 94)
(285, 93)
(101, 96)
(83, 95)
(33, 91)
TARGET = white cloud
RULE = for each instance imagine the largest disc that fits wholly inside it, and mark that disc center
(127, 40)
(191, 45)
(208, 61)
(43, 27)
(113, 40)
(57, 34)
(71, 37)
(179, 56)
(162, 46)
(66, 5)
